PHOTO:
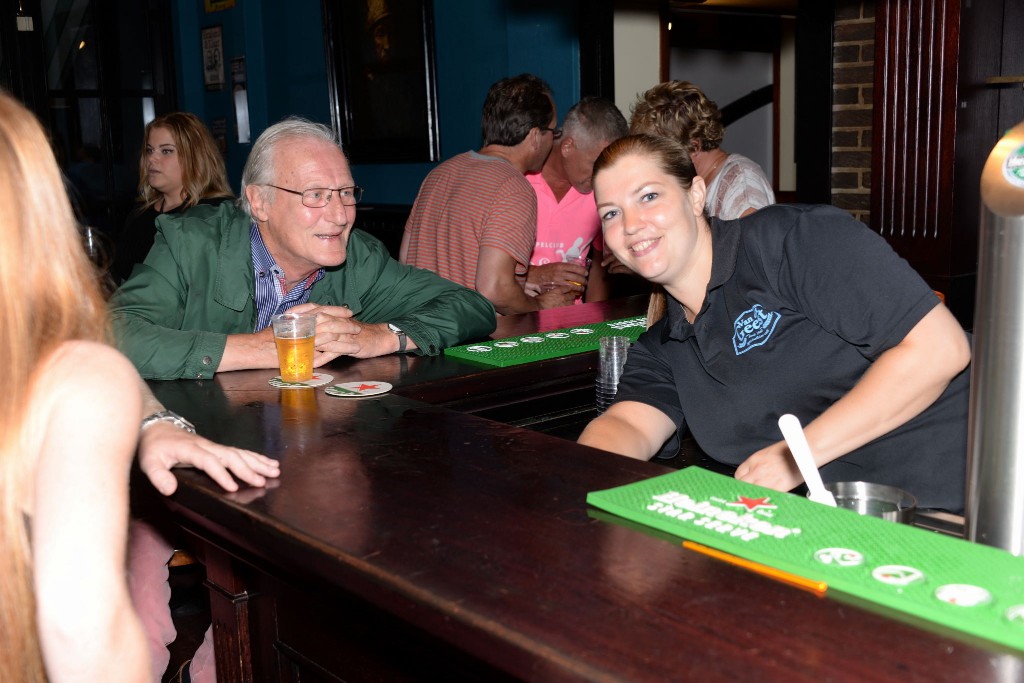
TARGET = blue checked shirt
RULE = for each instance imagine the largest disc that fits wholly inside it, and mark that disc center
(271, 298)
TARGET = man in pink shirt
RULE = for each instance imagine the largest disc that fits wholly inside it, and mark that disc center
(568, 229)
(474, 218)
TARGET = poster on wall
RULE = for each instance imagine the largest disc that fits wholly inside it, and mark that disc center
(381, 79)
(213, 57)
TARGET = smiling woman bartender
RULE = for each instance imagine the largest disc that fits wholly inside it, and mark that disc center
(795, 309)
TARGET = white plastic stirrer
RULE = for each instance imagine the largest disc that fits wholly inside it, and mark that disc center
(798, 446)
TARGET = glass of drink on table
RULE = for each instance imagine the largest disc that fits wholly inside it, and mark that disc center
(294, 334)
(579, 261)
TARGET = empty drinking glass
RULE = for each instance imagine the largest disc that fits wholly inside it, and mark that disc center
(612, 356)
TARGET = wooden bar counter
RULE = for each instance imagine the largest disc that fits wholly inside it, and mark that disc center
(411, 541)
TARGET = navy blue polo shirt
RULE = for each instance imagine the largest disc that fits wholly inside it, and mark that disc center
(801, 301)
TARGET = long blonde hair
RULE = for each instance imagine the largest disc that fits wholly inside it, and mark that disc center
(203, 174)
(51, 295)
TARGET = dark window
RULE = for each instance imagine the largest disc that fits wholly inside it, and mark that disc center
(94, 71)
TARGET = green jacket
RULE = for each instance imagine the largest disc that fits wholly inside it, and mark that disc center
(197, 285)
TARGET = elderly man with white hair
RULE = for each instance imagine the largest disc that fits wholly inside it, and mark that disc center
(201, 302)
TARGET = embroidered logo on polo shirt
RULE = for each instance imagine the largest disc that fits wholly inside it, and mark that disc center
(753, 327)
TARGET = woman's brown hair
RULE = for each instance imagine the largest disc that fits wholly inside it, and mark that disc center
(681, 111)
(203, 174)
(674, 160)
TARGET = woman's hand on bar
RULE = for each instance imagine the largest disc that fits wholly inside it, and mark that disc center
(163, 446)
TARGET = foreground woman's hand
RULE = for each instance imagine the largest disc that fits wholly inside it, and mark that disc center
(162, 447)
(772, 467)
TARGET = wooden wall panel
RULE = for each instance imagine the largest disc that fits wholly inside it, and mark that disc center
(916, 54)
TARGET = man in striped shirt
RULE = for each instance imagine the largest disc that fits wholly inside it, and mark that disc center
(475, 218)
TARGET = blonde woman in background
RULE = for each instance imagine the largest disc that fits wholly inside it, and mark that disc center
(66, 444)
(179, 167)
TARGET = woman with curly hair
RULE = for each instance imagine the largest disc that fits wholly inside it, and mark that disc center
(736, 186)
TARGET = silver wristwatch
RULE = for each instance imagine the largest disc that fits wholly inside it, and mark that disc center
(402, 337)
(168, 416)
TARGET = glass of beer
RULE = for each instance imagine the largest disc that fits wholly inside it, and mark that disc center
(294, 334)
(579, 261)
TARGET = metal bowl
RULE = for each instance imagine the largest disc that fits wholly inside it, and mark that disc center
(874, 500)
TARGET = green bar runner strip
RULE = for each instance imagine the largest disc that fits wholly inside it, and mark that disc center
(545, 345)
(961, 585)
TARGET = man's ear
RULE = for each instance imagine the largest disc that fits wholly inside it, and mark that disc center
(257, 202)
(568, 144)
(535, 134)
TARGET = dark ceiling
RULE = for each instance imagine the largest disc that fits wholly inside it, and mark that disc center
(782, 7)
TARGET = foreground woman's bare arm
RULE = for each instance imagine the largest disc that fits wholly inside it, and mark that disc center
(87, 626)
(898, 386)
(629, 428)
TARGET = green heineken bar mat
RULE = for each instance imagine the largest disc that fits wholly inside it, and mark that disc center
(964, 586)
(544, 345)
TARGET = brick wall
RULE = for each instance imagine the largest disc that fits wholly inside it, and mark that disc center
(853, 72)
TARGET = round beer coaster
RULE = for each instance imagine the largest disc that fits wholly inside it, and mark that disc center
(319, 379)
(362, 389)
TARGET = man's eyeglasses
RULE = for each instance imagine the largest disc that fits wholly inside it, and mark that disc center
(318, 197)
(555, 132)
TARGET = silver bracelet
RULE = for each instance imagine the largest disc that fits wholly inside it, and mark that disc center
(168, 416)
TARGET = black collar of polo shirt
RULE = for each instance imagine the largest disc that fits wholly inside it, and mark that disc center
(725, 245)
